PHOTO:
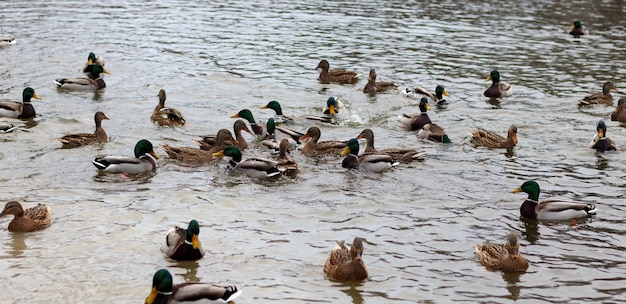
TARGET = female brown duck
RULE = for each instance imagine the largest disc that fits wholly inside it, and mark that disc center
(346, 265)
(315, 148)
(400, 154)
(340, 76)
(81, 139)
(502, 256)
(600, 98)
(165, 116)
(493, 140)
(31, 219)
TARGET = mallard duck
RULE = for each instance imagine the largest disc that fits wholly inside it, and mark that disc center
(414, 122)
(23, 110)
(144, 160)
(502, 256)
(434, 132)
(278, 117)
(497, 89)
(4, 41)
(369, 162)
(336, 75)
(329, 112)
(600, 142)
(163, 291)
(286, 164)
(247, 115)
(269, 141)
(577, 29)
(554, 209)
(315, 148)
(165, 116)
(91, 60)
(346, 265)
(198, 155)
(80, 139)
(373, 87)
(600, 98)
(97, 83)
(183, 244)
(400, 154)
(208, 141)
(436, 97)
(31, 219)
(619, 114)
(493, 140)
(255, 167)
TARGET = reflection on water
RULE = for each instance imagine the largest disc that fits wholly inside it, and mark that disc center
(353, 292)
(18, 244)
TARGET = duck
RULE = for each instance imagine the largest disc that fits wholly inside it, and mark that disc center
(600, 142)
(372, 87)
(269, 141)
(345, 264)
(29, 220)
(165, 116)
(619, 114)
(183, 244)
(434, 132)
(335, 75)
(81, 139)
(22, 110)
(247, 115)
(254, 167)
(577, 29)
(368, 162)
(144, 160)
(5, 41)
(504, 257)
(286, 164)
(164, 291)
(493, 140)
(329, 112)
(199, 155)
(436, 97)
(278, 112)
(415, 122)
(97, 83)
(553, 209)
(91, 60)
(600, 98)
(208, 141)
(400, 154)
(315, 148)
(497, 89)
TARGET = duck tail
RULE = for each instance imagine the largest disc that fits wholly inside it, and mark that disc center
(100, 163)
(591, 209)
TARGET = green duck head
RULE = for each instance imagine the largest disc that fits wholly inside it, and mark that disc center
(143, 147)
(494, 76)
(351, 148)
(91, 58)
(445, 139)
(161, 282)
(29, 93)
(577, 24)
(440, 91)
(231, 151)
(601, 128)
(245, 114)
(331, 103)
(531, 188)
(271, 126)
(424, 106)
(274, 105)
(193, 230)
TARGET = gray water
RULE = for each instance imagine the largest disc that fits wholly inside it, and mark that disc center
(270, 238)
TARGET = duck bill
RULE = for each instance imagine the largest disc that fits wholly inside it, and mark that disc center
(345, 151)
(303, 137)
(514, 137)
(360, 136)
(518, 189)
(105, 71)
(445, 93)
(89, 61)
(488, 78)
(263, 107)
(153, 153)
(235, 116)
(195, 243)
(331, 110)
(153, 294)
(36, 96)
(219, 154)
(427, 106)
(600, 133)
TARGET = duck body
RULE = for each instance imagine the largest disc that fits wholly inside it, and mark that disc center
(84, 84)
(619, 114)
(183, 244)
(414, 122)
(600, 98)
(493, 140)
(336, 75)
(165, 116)
(600, 141)
(504, 257)
(400, 154)
(6, 41)
(434, 132)
(144, 160)
(81, 139)
(551, 210)
(199, 155)
(254, 167)
(165, 292)
(21, 110)
(368, 162)
(373, 87)
(315, 148)
(436, 97)
(345, 264)
(497, 89)
(31, 219)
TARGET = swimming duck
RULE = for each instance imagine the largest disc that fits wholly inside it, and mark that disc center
(434, 132)
(247, 115)
(84, 83)
(400, 154)
(600, 98)
(504, 257)
(164, 291)
(278, 117)
(369, 162)
(31, 219)
(80, 139)
(373, 87)
(165, 116)
(286, 164)
(436, 97)
(183, 244)
(553, 209)
(346, 265)
(144, 160)
(497, 89)
(255, 167)
(199, 155)
(577, 29)
(269, 141)
(315, 148)
(600, 142)
(23, 110)
(336, 75)
(619, 114)
(91, 60)
(493, 140)
(208, 141)
(414, 122)
(4, 41)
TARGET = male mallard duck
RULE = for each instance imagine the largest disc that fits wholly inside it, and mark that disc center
(315, 148)
(369, 162)
(493, 140)
(600, 98)
(22, 109)
(346, 265)
(91, 60)
(577, 29)
(31, 219)
(97, 83)
(497, 89)
(600, 142)
(80, 139)
(255, 167)
(286, 164)
(247, 115)
(336, 75)
(163, 291)
(373, 87)
(144, 160)
(502, 256)
(619, 114)
(183, 244)
(436, 97)
(4, 41)
(278, 117)
(329, 111)
(553, 209)
(401, 154)
(269, 141)
(434, 132)
(166, 116)
(414, 122)
(208, 141)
